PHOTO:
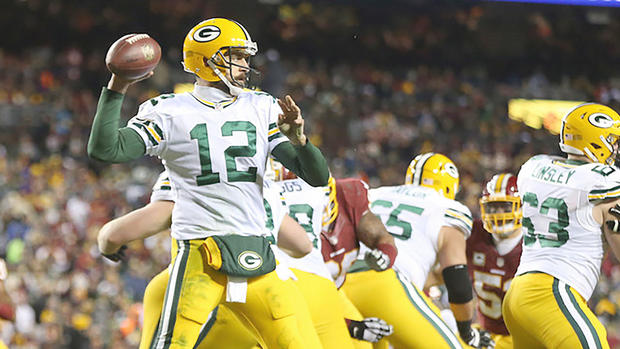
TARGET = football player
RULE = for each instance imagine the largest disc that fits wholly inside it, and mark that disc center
(348, 223)
(493, 252)
(215, 142)
(309, 206)
(154, 218)
(428, 226)
(566, 202)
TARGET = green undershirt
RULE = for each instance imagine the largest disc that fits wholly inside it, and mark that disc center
(109, 143)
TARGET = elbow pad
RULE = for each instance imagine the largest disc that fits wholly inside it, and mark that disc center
(458, 284)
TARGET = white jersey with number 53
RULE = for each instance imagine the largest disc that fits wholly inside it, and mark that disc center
(414, 215)
(560, 236)
(215, 156)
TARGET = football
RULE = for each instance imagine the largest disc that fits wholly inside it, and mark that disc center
(133, 56)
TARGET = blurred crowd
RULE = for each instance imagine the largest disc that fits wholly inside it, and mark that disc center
(376, 86)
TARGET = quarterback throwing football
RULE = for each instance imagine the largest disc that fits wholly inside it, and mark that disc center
(214, 142)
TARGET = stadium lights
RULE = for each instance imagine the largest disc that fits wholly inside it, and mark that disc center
(537, 113)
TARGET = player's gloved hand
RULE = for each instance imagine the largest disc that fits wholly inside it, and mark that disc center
(614, 224)
(370, 329)
(479, 338)
(116, 256)
(377, 260)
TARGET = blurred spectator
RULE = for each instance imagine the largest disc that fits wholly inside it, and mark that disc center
(378, 85)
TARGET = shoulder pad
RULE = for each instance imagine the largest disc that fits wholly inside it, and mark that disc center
(159, 102)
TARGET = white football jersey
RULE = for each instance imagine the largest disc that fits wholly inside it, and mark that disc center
(306, 204)
(560, 236)
(215, 155)
(162, 189)
(414, 215)
(275, 208)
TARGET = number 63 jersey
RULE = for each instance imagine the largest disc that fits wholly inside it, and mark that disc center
(561, 237)
(414, 215)
(215, 155)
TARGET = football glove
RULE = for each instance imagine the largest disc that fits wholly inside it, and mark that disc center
(614, 225)
(377, 260)
(370, 329)
(116, 256)
(479, 339)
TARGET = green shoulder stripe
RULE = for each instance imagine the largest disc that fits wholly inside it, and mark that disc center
(604, 191)
(158, 130)
(151, 138)
(460, 213)
(274, 136)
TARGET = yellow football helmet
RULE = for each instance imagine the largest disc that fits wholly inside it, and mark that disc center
(500, 205)
(208, 47)
(592, 130)
(434, 171)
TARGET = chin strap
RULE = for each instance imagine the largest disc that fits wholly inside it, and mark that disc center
(234, 90)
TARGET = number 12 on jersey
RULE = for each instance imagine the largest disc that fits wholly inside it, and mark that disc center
(207, 175)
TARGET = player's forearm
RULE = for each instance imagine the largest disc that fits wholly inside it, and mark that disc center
(108, 242)
(305, 161)
(107, 142)
(372, 232)
(292, 238)
(463, 312)
(460, 295)
(138, 224)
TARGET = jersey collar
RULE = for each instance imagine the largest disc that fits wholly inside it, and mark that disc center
(211, 94)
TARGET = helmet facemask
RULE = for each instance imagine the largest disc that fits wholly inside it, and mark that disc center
(614, 142)
(501, 215)
(222, 60)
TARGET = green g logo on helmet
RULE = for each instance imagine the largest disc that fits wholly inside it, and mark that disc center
(601, 120)
(593, 130)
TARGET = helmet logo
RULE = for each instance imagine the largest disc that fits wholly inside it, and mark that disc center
(207, 33)
(601, 120)
(451, 170)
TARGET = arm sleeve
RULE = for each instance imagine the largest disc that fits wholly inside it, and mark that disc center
(306, 161)
(107, 141)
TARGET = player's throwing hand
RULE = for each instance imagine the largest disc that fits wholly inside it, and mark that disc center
(290, 122)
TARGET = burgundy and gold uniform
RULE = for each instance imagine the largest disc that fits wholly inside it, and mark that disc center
(491, 274)
(339, 244)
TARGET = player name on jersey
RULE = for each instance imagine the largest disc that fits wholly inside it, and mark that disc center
(550, 174)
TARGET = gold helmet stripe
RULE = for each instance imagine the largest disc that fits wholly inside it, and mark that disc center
(499, 184)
